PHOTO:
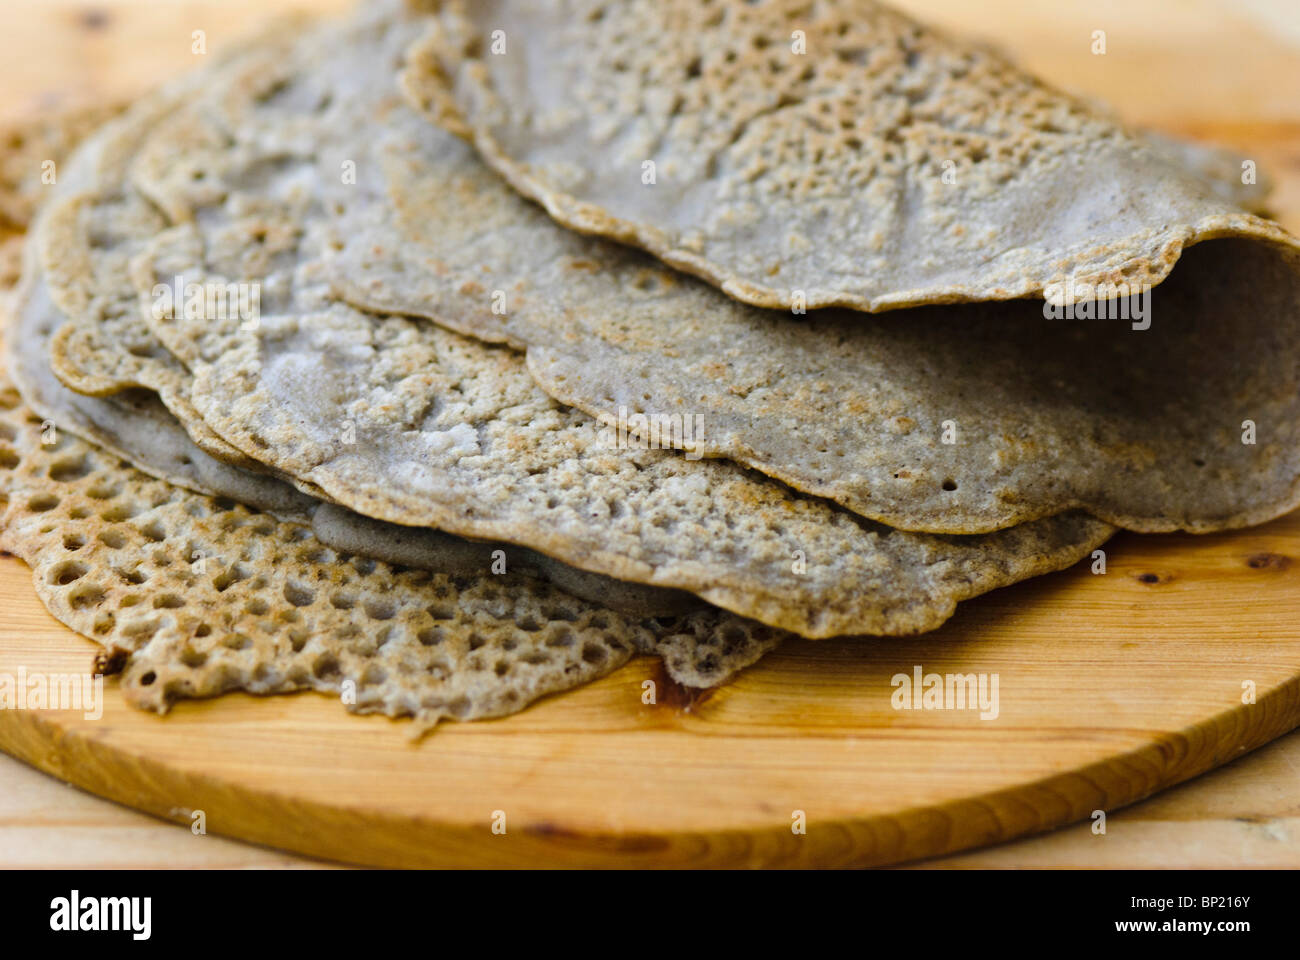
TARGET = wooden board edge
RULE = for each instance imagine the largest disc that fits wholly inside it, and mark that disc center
(332, 833)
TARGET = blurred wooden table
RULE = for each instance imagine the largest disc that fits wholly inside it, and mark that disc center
(1220, 70)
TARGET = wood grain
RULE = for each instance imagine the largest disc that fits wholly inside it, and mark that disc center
(1245, 814)
(1112, 687)
(56, 54)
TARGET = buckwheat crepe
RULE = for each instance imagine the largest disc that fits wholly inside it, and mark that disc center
(195, 597)
(131, 424)
(954, 419)
(135, 426)
(464, 440)
(117, 529)
(703, 649)
(88, 232)
(120, 410)
(467, 443)
(909, 427)
(836, 153)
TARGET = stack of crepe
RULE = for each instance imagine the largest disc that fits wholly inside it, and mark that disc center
(455, 354)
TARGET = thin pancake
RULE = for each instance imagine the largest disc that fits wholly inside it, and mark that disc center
(467, 443)
(135, 426)
(84, 243)
(547, 480)
(835, 153)
(195, 598)
(956, 419)
(132, 423)
(966, 421)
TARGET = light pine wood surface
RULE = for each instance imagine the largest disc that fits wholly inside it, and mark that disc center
(1111, 687)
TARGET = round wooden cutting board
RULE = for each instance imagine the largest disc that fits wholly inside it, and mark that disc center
(1110, 687)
